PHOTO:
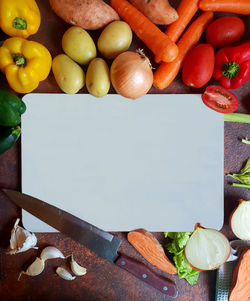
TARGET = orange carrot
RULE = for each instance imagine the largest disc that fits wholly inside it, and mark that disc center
(149, 247)
(241, 7)
(167, 72)
(240, 290)
(186, 10)
(149, 33)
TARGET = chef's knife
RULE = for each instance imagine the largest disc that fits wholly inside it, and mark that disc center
(102, 243)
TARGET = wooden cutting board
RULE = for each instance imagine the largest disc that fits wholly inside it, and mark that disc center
(153, 163)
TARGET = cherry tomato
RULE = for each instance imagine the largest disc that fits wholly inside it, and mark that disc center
(198, 66)
(225, 31)
(220, 99)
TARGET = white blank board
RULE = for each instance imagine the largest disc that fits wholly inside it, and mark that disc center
(153, 163)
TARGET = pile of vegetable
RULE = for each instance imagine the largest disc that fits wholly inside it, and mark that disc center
(175, 49)
(26, 63)
(178, 48)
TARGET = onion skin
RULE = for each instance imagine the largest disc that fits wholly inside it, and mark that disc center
(230, 219)
(216, 267)
(131, 74)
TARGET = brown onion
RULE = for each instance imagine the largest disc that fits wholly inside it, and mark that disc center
(207, 249)
(240, 220)
(131, 74)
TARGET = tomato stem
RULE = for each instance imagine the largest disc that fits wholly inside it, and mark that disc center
(230, 69)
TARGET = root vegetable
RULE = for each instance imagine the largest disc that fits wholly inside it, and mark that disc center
(115, 39)
(97, 78)
(149, 247)
(159, 43)
(240, 290)
(207, 249)
(131, 74)
(87, 14)
(78, 45)
(240, 220)
(186, 10)
(68, 74)
(231, 6)
(157, 11)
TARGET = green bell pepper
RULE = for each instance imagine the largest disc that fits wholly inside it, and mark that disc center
(8, 137)
(11, 109)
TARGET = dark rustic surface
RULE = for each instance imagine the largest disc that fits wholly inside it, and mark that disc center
(103, 281)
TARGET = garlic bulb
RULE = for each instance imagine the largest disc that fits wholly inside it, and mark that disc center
(21, 240)
(64, 274)
(34, 269)
(76, 268)
(50, 253)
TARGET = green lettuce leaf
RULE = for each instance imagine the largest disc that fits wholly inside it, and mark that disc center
(176, 247)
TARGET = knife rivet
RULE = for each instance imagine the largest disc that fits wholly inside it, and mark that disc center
(144, 276)
(165, 288)
(123, 262)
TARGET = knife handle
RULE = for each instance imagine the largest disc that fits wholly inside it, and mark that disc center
(141, 271)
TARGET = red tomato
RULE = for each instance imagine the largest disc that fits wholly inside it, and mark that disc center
(225, 31)
(198, 66)
(220, 99)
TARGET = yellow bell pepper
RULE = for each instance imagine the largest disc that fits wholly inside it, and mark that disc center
(19, 18)
(25, 63)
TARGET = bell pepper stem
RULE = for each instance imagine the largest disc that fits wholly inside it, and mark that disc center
(19, 59)
(230, 69)
(19, 23)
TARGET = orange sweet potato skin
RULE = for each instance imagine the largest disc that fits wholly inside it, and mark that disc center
(157, 11)
(88, 14)
(240, 290)
(149, 247)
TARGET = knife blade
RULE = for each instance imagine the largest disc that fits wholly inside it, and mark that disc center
(102, 243)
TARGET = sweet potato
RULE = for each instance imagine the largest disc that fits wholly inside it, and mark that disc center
(149, 247)
(87, 14)
(157, 11)
(240, 290)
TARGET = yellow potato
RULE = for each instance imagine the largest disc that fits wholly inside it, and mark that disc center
(78, 45)
(114, 39)
(97, 78)
(68, 74)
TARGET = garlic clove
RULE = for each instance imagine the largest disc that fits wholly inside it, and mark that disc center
(50, 253)
(34, 269)
(64, 274)
(76, 268)
(21, 240)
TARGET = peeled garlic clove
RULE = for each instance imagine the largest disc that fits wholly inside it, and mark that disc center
(21, 240)
(50, 253)
(64, 274)
(35, 268)
(76, 268)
